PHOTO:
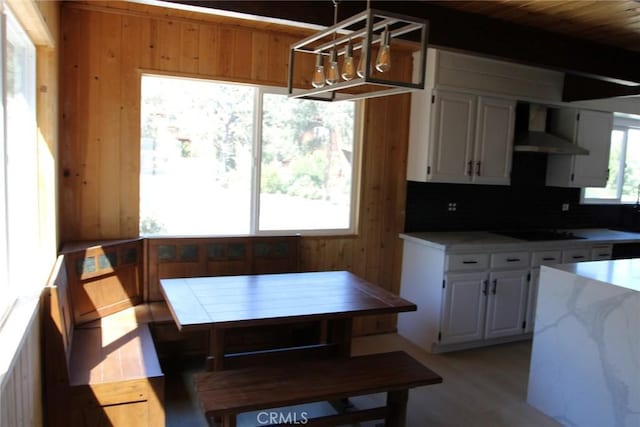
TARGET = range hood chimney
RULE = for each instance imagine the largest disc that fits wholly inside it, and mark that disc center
(538, 140)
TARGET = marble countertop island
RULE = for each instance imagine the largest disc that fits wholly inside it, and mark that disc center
(585, 361)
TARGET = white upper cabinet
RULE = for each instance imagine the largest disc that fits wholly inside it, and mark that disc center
(450, 144)
(590, 130)
(494, 140)
(458, 137)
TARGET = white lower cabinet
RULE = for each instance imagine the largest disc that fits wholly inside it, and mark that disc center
(463, 312)
(488, 303)
(506, 303)
(478, 298)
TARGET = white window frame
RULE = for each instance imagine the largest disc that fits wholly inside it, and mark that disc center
(13, 284)
(620, 123)
(7, 298)
(356, 170)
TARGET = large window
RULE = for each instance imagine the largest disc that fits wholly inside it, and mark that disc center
(623, 185)
(227, 159)
(19, 230)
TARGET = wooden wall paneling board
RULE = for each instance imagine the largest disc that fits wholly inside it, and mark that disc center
(225, 48)
(108, 140)
(135, 52)
(168, 45)
(208, 50)
(90, 156)
(260, 48)
(242, 55)
(21, 385)
(278, 64)
(375, 173)
(190, 47)
(69, 195)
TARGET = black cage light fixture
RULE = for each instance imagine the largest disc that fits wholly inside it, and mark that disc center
(376, 37)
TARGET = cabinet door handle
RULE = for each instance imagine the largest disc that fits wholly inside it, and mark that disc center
(484, 287)
(577, 256)
(513, 259)
(470, 167)
(495, 286)
(478, 168)
(469, 262)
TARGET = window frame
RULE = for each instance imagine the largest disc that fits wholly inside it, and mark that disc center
(621, 123)
(254, 203)
(10, 288)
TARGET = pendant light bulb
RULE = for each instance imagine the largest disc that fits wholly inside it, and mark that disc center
(383, 61)
(362, 63)
(318, 73)
(348, 68)
(332, 72)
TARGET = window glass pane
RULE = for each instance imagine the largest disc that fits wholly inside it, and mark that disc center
(21, 158)
(610, 191)
(196, 157)
(307, 164)
(632, 168)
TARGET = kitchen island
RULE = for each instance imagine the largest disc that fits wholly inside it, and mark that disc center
(585, 362)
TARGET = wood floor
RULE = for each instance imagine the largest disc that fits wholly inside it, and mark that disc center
(482, 387)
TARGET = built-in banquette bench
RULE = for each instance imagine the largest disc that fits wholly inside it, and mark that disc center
(103, 313)
(103, 373)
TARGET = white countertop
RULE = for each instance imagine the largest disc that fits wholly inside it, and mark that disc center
(624, 273)
(460, 241)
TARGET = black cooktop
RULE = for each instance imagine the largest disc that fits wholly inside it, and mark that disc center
(539, 235)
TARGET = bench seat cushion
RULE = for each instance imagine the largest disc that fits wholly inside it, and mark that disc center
(243, 390)
(121, 352)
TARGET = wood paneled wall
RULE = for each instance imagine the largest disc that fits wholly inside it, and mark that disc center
(21, 386)
(105, 46)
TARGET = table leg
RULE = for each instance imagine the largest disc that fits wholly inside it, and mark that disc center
(215, 360)
(341, 336)
(397, 404)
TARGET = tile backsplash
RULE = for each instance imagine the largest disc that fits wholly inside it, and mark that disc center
(526, 203)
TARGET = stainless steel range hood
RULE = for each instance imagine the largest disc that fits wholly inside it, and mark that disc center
(537, 140)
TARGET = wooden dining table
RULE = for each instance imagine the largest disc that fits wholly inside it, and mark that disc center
(333, 298)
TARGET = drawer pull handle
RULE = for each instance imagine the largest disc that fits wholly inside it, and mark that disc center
(577, 256)
(513, 259)
(549, 258)
(604, 254)
(469, 262)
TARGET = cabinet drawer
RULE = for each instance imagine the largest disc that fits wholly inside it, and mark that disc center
(576, 255)
(601, 252)
(545, 258)
(460, 262)
(510, 260)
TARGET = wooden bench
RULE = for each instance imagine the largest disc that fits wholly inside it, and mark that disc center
(225, 394)
(104, 373)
